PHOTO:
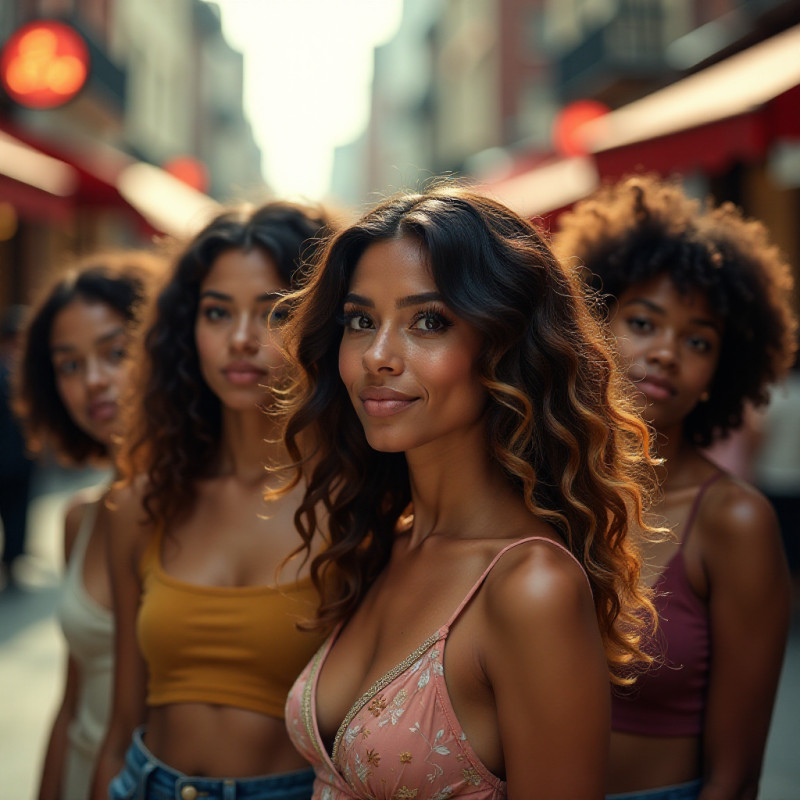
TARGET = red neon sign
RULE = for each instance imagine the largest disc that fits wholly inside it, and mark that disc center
(44, 64)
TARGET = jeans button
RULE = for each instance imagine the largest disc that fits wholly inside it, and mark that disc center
(188, 792)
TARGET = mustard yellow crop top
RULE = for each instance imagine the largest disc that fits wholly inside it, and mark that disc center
(231, 646)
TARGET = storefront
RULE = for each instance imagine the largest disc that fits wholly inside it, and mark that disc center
(731, 130)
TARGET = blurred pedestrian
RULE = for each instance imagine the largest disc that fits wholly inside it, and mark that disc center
(73, 373)
(480, 466)
(207, 640)
(698, 301)
(16, 465)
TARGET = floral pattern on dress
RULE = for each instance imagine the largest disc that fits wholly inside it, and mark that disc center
(432, 762)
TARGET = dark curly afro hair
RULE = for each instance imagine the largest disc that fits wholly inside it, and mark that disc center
(642, 227)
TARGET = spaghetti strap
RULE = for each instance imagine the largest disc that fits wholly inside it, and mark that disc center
(696, 504)
(479, 582)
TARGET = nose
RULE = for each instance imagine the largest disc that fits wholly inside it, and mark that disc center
(96, 375)
(246, 334)
(664, 350)
(383, 353)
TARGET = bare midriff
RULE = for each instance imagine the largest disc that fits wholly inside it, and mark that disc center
(187, 736)
(646, 762)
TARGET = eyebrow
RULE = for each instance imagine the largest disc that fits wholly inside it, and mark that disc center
(403, 302)
(704, 321)
(104, 339)
(262, 298)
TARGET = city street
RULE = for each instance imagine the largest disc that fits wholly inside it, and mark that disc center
(31, 655)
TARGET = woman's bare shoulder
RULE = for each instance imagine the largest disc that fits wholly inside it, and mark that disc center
(536, 580)
(735, 513)
(124, 512)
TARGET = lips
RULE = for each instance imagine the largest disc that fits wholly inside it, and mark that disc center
(102, 410)
(244, 374)
(656, 388)
(380, 401)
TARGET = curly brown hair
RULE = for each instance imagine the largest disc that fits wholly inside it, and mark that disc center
(121, 280)
(559, 421)
(642, 227)
(175, 419)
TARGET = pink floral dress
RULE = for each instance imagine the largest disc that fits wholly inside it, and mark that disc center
(401, 739)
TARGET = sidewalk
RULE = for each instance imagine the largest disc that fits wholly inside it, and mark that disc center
(32, 653)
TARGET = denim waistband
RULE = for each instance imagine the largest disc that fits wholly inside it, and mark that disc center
(678, 791)
(147, 778)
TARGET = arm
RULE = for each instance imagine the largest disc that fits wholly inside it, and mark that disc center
(127, 535)
(53, 767)
(547, 668)
(749, 603)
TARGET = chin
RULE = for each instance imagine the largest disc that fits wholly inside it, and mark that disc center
(243, 402)
(386, 442)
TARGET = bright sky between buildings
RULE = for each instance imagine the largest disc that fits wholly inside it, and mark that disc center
(308, 70)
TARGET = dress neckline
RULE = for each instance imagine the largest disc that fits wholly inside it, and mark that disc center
(309, 702)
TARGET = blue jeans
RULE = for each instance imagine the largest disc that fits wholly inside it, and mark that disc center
(144, 777)
(679, 791)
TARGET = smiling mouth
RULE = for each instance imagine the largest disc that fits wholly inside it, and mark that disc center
(386, 407)
(244, 377)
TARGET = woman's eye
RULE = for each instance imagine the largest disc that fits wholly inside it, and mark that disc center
(640, 324)
(276, 314)
(430, 322)
(700, 344)
(117, 354)
(214, 313)
(66, 367)
(357, 321)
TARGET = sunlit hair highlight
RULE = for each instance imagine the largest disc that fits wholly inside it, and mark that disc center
(559, 422)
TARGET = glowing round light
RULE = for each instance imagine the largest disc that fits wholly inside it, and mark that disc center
(44, 64)
(566, 128)
(190, 170)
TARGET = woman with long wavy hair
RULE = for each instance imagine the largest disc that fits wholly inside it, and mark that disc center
(479, 467)
(207, 643)
(698, 299)
(73, 374)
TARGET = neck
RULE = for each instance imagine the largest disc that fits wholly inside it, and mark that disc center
(456, 487)
(671, 446)
(249, 443)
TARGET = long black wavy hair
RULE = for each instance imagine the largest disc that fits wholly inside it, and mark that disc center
(558, 420)
(175, 425)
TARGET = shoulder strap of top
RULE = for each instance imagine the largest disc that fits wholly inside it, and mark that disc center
(479, 582)
(152, 553)
(84, 532)
(696, 504)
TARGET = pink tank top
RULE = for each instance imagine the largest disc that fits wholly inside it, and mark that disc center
(401, 738)
(670, 699)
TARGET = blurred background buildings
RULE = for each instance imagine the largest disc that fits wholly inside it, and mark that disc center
(536, 100)
(539, 100)
(154, 133)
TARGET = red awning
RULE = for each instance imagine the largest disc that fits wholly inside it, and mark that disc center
(44, 179)
(547, 187)
(731, 111)
(35, 183)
